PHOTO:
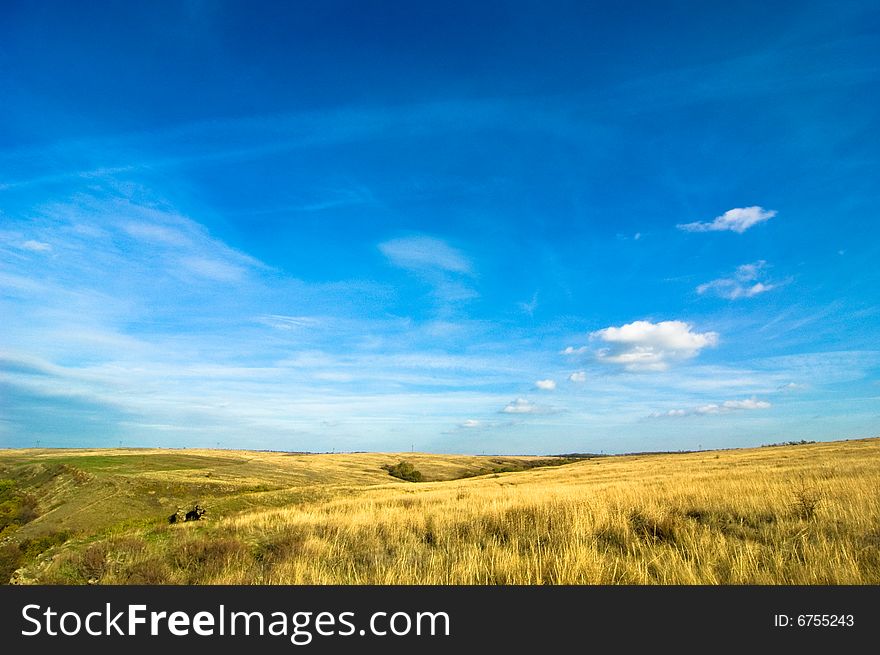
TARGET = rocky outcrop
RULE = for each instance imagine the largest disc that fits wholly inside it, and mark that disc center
(193, 514)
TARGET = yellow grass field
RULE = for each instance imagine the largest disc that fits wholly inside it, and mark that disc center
(797, 514)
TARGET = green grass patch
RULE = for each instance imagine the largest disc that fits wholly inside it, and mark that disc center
(131, 463)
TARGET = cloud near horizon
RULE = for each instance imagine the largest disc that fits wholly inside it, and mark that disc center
(736, 220)
(519, 406)
(726, 407)
(647, 346)
(526, 406)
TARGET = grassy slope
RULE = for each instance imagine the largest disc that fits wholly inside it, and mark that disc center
(82, 490)
(711, 517)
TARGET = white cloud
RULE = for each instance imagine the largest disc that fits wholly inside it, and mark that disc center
(525, 406)
(742, 284)
(717, 408)
(36, 246)
(731, 405)
(579, 376)
(282, 322)
(422, 253)
(212, 269)
(750, 403)
(546, 385)
(671, 412)
(736, 220)
(153, 233)
(471, 423)
(571, 350)
(520, 406)
(646, 346)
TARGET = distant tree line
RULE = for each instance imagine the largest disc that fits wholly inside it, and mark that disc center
(802, 442)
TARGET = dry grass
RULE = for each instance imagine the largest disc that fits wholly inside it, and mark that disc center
(806, 514)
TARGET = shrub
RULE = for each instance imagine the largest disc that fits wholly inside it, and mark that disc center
(404, 471)
(651, 529)
(35, 546)
(204, 558)
(16, 555)
(16, 507)
(10, 559)
(93, 562)
(806, 500)
(149, 572)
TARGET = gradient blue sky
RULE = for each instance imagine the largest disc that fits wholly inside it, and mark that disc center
(454, 227)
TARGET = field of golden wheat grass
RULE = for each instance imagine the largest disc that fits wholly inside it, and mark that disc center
(799, 514)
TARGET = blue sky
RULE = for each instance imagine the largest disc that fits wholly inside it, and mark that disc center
(453, 227)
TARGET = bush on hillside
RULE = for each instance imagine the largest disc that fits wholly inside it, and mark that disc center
(404, 471)
(16, 507)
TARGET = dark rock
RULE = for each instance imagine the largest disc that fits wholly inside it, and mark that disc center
(195, 513)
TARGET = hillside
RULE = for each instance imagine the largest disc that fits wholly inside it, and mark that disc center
(806, 513)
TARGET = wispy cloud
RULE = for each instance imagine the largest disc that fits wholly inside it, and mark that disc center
(578, 376)
(737, 220)
(214, 141)
(147, 241)
(143, 318)
(212, 269)
(446, 269)
(725, 407)
(647, 346)
(744, 283)
(525, 406)
(530, 307)
(521, 406)
(546, 385)
(830, 367)
(156, 233)
(36, 246)
(351, 196)
(424, 253)
(732, 405)
(287, 323)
